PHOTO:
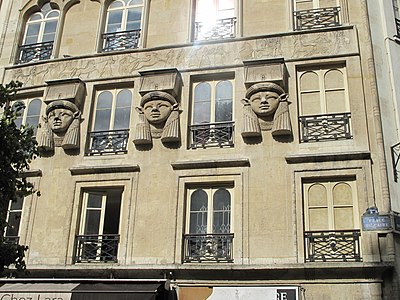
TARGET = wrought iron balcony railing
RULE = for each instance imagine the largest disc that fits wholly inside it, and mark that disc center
(34, 52)
(212, 134)
(325, 127)
(395, 150)
(339, 245)
(112, 141)
(221, 29)
(11, 239)
(316, 18)
(114, 41)
(208, 247)
(398, 27)
(96, 248)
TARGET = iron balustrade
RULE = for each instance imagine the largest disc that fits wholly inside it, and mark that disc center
(325, 127)
(96, 248)
(110, 141)
(121, 40)
(212, 134)
(11, 239)
(316, 18)
(208, 247)
(221, 29)
(398, 27)
(395, 150)
(339, 245)
(34, 52)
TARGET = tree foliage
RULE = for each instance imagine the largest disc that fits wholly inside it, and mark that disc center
(18, 148)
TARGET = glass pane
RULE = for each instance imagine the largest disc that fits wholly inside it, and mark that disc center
(112, 213)
(17, 204)
(124, 98)
(205, 10)
(35, 17)
(53, 14)
(334, 79)
(114, 21)
(335, 101)
(94, 200)
(34, 107)
(310, 103)
(19, 107)
(223, 105)
(343, 218)
(198, 212)
(103, 111)
(342, 194)
(202, 103)
(14, 220)
(222, 211)
(135, 2)
(327, 3)
(318, 219)
(122, 118)
(92, 222)
(32, 34)
(309, 82)
(134, 14)
(50, 27)
(317, 195)
(116, 4)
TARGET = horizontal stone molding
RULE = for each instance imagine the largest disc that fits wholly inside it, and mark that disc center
(204, 164)
(31, 173)
(84, 170)
(322, 157)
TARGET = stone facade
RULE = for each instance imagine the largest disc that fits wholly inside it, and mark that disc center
(198, 185)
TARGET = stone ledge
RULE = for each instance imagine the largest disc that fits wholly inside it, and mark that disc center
(203, 164)
(31, 173)
(84, 170)
(322, 157)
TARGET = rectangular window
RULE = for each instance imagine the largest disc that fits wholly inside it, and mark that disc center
(111, 124)
(212, 114)
(323, 104)
(309, 14)
(209, 234)
(331, 220)
(14, 216)
(99, 228)
(214, 19)
(396, 9)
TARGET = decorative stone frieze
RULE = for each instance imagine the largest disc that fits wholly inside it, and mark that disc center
(63, 115)
(159, 107)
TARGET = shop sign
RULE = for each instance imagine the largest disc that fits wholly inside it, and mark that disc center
(255, 293)
(35, 296)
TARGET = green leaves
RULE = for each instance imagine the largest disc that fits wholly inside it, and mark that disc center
(18, 148)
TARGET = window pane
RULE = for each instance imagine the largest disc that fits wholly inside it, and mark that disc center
(135, 2)
(202, 103)
(304, 4)
(342, 194)
(122, 118)
(327, 3)
(344, 218)
(223, 105)
(14, 220)
(94, 200)
(116, 4)
(134, 14)
(318, 219)
(335, 101)
(334, 79)
(124, 98)
(222, 211)
(32, 34)
(317, 195)
(198, 212)
(114, 21)
(92, 222)
(49, 31)
(103, 111)
(17, 204)
(309, 82)
(33, 114)
(112, 213)
(19, 107)
(310, 103)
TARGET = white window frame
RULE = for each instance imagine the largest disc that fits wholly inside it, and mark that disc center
(210, 191)
(85, 209)
(11, 211)
(43, 20)
(24, 115)
(321, 72)
(124, 9)
(329, 184)
(315, 3)
(213, 83)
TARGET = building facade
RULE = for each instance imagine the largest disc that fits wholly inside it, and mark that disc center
(202, 149)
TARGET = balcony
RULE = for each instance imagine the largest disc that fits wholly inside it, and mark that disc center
(339, 245)
(398, 27)
(212, 134)
(208, 247)
(108, 142)
(220, 29)
(325, 127)
(123, 40)
(35, 52)
(316, 18)
(96, 248)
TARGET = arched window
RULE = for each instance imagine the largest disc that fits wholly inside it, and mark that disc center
(28, 113)
(40, 32)
(123, 25)
(111, 122)
(209, 234)
(212, 113)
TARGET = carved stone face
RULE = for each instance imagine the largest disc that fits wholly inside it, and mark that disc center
(157, 111)
(264, 103)
(59, 119)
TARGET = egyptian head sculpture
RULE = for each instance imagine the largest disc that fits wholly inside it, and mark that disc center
(158, 118)
(266, 108)
(61, 126)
